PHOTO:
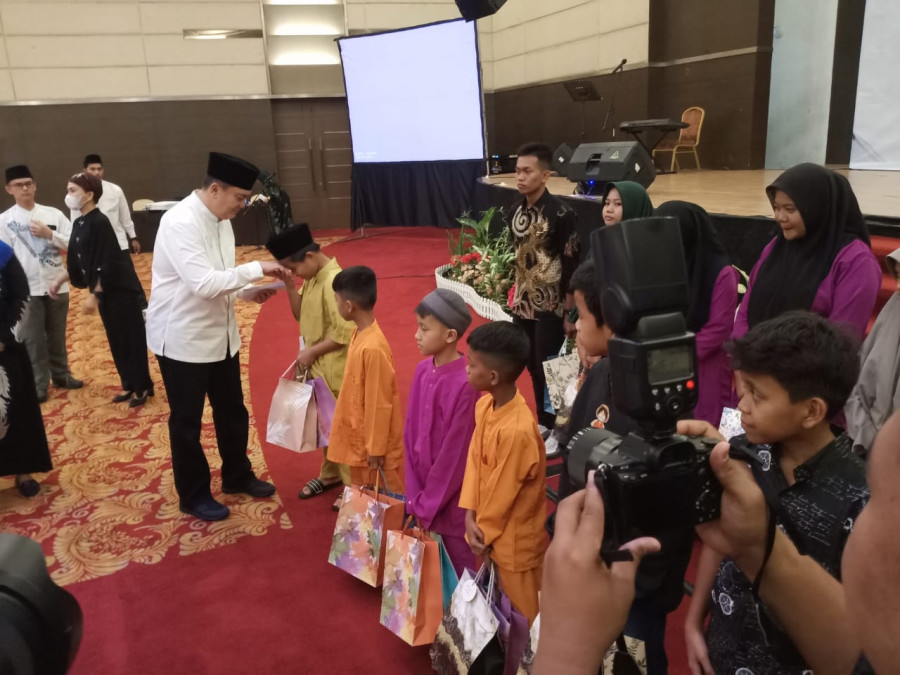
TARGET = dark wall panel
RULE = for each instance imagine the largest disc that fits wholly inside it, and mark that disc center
(154, 149)
(733, 135)
(548, 114)
(684, 28)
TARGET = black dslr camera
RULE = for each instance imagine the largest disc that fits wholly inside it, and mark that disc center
(654, 481)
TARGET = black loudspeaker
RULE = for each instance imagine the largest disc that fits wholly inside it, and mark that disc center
(478, 9)
(561, 159)
(594, 163)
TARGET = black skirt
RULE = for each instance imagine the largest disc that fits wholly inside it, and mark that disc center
(23, 441)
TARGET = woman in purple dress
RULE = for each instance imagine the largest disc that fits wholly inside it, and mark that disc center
(713, 299)
(821, 260)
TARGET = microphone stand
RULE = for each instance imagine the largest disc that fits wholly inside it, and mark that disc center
(612, 99)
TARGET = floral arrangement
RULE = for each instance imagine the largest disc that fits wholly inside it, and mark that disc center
(482, 260)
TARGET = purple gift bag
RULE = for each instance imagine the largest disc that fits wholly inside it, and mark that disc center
(325, 410)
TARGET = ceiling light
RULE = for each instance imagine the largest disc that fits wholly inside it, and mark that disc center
(221, 33)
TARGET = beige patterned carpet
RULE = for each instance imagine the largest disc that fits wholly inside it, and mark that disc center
(110, 500)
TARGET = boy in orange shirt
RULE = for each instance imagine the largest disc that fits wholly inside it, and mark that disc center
(504, 485)
(367, 431)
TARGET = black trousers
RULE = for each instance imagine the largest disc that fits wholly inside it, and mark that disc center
(187, 386)
(124, 324)
(546, 336)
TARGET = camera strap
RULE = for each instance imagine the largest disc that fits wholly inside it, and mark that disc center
(776, 513)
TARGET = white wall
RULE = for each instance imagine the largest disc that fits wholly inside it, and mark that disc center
(531, 41)
(127, 48)
(876, 135)
(800, 86)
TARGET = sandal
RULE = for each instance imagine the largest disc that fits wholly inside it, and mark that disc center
(315, 487)
(336, 507)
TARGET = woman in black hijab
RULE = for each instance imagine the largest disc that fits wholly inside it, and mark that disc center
(821, 260)
(713, 298)
(95, 262)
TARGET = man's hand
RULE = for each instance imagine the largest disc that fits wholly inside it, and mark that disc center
(38, 229)
(698, 428)
(740, 532)
(135, 245)
(697, 652)
(262, 296)
(273, 269)
(375, 462)
(584, 603)
(569, 328)
(475, 536)
(306, 358)
(90, 304)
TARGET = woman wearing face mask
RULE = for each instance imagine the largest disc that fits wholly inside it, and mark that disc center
(821, 260)
(712, 301)
(95, 262)
(625, 200)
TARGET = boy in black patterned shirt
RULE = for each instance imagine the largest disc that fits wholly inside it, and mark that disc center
(795, 373)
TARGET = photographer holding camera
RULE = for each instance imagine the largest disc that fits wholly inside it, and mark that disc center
(797, 371)
(584, 602)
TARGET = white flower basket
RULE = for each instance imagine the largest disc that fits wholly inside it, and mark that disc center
(482, 306)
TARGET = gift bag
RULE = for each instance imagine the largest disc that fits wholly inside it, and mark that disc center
(325, 404)
(358, 543)
(412, 596)
(505, 654)
(467, 626)
(560, 373)
(449, 580)
(292, 414)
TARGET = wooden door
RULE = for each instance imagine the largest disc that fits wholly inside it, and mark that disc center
(312, 144)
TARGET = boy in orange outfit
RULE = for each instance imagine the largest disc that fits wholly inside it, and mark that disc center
(367, 431)
(504, 485)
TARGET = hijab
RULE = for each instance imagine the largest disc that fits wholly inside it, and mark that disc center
(704, 257)
(635, 200)
(790, 277)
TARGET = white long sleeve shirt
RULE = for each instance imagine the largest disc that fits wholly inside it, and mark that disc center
(114, 206)
(191, 313)
(40, 258)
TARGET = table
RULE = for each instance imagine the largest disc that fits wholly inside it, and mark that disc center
(251, 228)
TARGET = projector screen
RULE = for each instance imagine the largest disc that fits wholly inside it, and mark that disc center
(414, 94)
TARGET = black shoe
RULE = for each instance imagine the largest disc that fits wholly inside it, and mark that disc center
(27, 488)
(207, 509)
(256, 488)
(68, 383)
(140, 399)
(124, 396)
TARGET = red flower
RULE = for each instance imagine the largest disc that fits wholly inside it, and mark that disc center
(511, 296)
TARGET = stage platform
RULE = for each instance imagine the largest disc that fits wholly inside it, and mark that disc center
(743, 193)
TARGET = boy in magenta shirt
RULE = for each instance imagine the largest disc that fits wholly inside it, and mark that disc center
(439, 424)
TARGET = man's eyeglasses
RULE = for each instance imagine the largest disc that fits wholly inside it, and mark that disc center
(22, 184)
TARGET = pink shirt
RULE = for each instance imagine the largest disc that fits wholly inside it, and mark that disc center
(712, 362)
(846, 295)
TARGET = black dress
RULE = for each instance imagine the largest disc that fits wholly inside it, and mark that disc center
(23, 442)
(95, 256)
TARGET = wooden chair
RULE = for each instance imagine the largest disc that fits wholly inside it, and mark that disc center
(141, 204)
(688, 139)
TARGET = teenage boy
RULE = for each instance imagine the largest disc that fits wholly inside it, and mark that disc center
(794, 373)
(543, 234)
(439, 424)
(326, 335)
(504, 486)
(367, 431)
(659, 585)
